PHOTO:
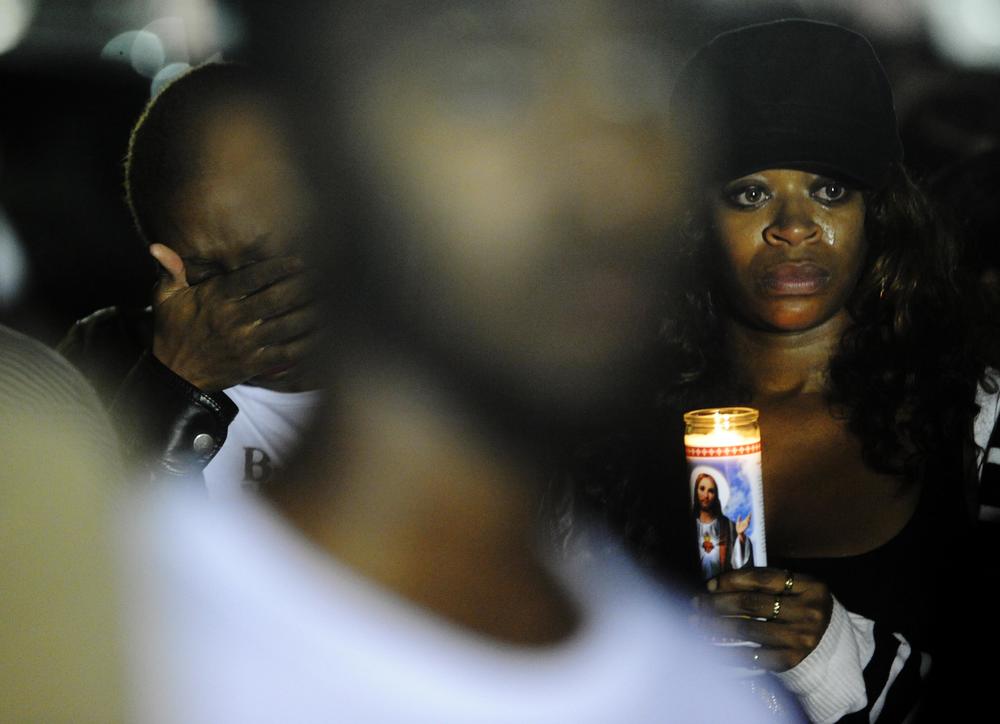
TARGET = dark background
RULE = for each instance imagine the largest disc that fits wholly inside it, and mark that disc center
(63, 135)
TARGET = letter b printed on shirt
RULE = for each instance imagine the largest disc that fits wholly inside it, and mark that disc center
(257, 467)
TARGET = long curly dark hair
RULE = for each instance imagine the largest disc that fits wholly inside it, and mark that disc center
(905, 374)
(903, 378)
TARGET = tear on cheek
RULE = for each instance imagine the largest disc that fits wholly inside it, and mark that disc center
(829, 234)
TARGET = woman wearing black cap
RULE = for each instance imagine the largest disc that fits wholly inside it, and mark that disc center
(812, 286)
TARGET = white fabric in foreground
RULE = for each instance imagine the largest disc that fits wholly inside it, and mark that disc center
(236, 618)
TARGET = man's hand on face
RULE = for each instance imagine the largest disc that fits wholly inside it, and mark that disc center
(234, 326)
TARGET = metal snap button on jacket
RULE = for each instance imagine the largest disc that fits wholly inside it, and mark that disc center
(203, 442)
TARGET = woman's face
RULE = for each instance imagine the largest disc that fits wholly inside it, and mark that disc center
(793, 244)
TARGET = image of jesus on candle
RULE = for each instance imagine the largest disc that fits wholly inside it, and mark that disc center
(723, 544)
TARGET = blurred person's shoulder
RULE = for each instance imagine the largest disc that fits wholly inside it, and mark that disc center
(238, 588)
(32, 373)
(59, 472)
(37, 384)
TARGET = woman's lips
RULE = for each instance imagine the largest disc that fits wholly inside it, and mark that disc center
(796, 278)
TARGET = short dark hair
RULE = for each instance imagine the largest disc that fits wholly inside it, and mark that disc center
(163, 149)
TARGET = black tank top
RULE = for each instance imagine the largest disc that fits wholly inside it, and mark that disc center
(895, 584)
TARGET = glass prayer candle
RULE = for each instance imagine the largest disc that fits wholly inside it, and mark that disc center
(727, 498)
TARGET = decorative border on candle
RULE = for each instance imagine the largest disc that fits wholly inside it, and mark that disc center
(722, 452)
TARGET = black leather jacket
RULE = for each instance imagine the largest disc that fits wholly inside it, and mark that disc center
(167, 426)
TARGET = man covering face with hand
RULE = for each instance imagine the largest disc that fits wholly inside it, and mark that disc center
(213, 191)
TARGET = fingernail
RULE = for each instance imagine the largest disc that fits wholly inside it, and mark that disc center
(712, 585)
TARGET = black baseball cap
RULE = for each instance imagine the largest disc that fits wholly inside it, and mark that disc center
(790, 94)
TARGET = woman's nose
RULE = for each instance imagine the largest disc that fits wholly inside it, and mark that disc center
(791, 228)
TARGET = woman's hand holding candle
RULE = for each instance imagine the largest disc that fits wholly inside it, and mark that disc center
(756, 604)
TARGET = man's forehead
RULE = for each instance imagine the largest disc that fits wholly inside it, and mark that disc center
(197, 244)
(231, 216)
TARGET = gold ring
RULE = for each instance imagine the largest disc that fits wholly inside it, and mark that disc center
(777, 608)
(789, 582)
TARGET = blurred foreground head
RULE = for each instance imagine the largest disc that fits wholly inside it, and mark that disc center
(501, 178)
(497, 187)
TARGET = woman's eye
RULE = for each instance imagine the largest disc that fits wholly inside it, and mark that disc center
(831, 192)
(749, 196)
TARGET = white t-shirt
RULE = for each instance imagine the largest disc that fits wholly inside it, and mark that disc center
(237, 618)
(260, 438)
